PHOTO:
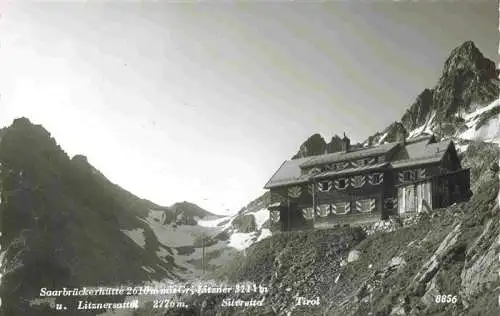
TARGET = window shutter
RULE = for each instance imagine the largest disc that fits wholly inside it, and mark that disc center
(341, 207)
(294, 192)
(365, 205)
(308, 213)
(337, 183)
(310, 189)
(358, 181)
(421, 173)
(323, 210)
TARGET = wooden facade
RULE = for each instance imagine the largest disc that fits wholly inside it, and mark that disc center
(364, 186)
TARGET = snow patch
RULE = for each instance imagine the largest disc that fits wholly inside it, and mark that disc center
(489, 132)
(425, 128)
(381, 140)
(173, 237)
(461, 148)
(241, 241)
(148, 269)
(428, 125)
(212, 223)
(480, 111)
(264, 234)
(137, 235)
(417, 131)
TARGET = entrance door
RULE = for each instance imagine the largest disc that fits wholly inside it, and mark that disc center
(401, 200)
(407, 199)
(411, 198)
(420, 197)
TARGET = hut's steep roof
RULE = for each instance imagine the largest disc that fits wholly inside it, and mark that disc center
(416, 151)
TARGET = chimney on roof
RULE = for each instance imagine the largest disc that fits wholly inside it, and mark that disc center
(346, 143)
(400, 138)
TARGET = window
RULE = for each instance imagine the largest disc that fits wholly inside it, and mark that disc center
(366, 162)
(365, 205)
(324, 210)
(389, 203)
(375, 159)
(324, 186)
(407, 175)
(341, 207)
(341, 183)
(376, 178)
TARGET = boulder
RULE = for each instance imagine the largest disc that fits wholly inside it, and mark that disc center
(395, 262)
(353, 256)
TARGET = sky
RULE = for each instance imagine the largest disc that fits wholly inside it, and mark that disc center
(202, 102)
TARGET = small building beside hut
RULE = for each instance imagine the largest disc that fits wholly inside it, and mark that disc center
(363, 185)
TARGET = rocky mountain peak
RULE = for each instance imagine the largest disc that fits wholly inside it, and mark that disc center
(468, 56)
(24, 125)
(189, 209)
(468, 78)
(419, 111)
(468, 81)
(314, 145)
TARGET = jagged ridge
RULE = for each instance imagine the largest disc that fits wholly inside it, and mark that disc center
(62, 222)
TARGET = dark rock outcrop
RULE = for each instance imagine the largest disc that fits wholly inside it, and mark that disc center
(393, 133)
(314, 145)
(334, 145)
(468, 77)
(185, 213)
(418, 113)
